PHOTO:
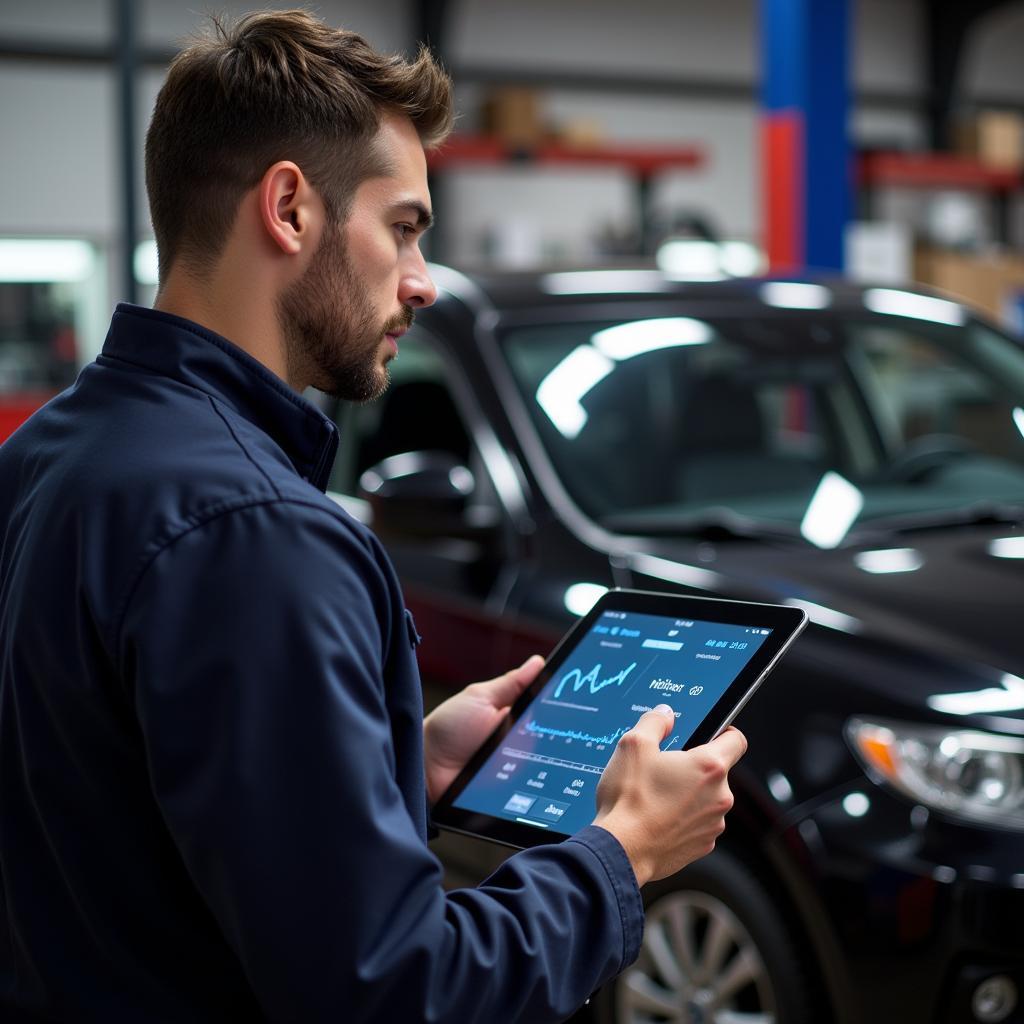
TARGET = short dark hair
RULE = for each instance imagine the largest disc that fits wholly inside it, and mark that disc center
(277, 85)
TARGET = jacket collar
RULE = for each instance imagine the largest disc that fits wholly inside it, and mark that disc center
(197, 357)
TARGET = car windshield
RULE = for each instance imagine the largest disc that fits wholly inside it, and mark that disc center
(810, 424)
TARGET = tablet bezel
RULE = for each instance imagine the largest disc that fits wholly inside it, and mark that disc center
(785, 622)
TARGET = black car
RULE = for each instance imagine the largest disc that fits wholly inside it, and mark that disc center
(857, 452)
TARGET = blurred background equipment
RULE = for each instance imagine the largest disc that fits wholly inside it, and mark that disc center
(586, 129)
(728, 257)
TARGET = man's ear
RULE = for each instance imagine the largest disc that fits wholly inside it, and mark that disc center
(289, 207)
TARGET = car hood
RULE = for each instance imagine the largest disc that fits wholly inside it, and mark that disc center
(953, 599)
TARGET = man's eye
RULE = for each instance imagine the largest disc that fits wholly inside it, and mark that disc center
(405, 230)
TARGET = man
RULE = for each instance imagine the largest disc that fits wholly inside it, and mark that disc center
(215, 769)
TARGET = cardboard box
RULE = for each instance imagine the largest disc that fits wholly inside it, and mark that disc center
(879, 252)
(995, 137)
(989, 283)
(581, 132)
(514, 116)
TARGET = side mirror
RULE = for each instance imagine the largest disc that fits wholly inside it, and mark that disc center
(420, 493)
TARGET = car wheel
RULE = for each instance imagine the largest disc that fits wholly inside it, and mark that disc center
(715, 951)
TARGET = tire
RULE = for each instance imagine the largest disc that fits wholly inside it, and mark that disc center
(716, 950)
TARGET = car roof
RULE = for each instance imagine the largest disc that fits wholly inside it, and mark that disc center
(510, 290)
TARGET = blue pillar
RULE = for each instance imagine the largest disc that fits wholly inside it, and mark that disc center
(805, 152)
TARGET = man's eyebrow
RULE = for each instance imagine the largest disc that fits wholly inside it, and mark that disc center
(424, 218)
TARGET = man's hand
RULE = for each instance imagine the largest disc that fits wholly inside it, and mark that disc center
(456, 729)
(666, 807)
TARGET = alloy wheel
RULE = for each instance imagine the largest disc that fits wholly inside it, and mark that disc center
(698, 965)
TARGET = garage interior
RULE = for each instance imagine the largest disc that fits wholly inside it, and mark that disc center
(854, 156)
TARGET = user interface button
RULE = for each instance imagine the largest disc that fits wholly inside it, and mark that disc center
(550, 810)
(520, 803)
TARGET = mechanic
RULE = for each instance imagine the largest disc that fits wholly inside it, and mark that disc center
(215, 767)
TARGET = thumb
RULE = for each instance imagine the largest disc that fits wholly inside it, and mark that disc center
(731, 745)
(506, 688)
(656, 724)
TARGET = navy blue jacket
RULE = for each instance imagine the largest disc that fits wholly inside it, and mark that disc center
(212, 800)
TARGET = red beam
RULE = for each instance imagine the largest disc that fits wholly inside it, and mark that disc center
(642, 160)
(934, 170)
(782, 160)
(15, 409)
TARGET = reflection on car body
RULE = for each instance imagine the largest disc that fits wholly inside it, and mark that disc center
(856, 452)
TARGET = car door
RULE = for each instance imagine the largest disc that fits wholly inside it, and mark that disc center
(410, 466)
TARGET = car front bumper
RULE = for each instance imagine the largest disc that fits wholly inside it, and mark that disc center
(910, 914)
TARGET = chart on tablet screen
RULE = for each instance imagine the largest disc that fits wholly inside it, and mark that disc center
(545, 772)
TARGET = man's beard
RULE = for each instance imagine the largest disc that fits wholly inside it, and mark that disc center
(332, 334)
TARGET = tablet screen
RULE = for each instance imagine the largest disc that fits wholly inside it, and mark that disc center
(544, 773)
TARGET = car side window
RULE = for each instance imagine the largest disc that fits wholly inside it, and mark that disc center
(417, 413)
(927, 391)
(677, 425)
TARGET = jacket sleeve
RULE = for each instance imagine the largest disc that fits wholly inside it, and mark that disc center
(254, 643)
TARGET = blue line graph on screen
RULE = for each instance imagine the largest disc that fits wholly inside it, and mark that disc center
(572, 734)
(592, 679)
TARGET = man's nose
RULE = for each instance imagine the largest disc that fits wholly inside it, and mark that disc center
(416, 287)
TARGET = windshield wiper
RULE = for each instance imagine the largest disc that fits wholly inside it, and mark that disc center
(977, 514)
(715, 524)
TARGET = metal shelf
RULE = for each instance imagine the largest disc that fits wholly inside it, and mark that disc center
(935, 170)
(643, 161)
(940, 171)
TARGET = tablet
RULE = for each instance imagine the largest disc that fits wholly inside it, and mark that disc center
(534, 781)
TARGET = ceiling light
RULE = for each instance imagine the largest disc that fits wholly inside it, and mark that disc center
(795, 295)
(832, 511)
(146, 264)
(741, 259)
(676, 572)
(990, 701)
(896, 302)
(691, 259)
(824, 616)
(856, 805)
(581, 597)
(889, 560)
(624, 341)
(45, 260)
(562, 390)
(583, 282)
(1007, 547)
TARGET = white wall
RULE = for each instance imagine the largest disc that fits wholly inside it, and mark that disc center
(168, 24)
(59, 162)
(569, 207)
(87, 21)
(59, 167)
(888, 46)
(651, 37)
(993, 63)
(58, 157)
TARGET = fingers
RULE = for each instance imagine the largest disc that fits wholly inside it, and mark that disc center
(730, 746)
(506, 688)
(655, 725)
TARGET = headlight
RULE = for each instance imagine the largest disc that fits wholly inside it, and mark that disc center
(969, 774)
